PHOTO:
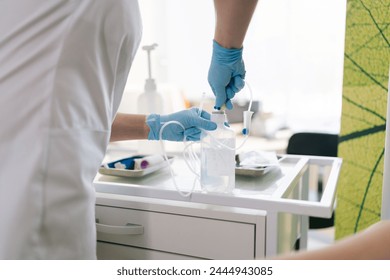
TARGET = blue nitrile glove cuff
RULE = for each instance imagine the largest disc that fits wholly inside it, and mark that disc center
(226, 74)
(154, 123)
(225, 55)
(192, 121)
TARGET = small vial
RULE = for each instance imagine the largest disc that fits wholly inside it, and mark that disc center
(218, 157)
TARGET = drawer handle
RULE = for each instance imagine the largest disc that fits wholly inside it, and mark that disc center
(129, 229)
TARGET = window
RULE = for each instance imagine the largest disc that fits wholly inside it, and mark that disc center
(293, 54)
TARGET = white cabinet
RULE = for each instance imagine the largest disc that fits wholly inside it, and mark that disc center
(146, 218)
(176, 231)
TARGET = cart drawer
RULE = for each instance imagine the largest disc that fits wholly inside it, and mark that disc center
(179, 234)
(110, 251)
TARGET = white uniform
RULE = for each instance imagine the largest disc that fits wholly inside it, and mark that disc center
(63, 68)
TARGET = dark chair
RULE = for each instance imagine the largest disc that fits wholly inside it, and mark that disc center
(315, 144)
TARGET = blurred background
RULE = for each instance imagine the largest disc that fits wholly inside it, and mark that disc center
(293, 54)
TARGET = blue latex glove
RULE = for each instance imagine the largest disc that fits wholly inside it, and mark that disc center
(190, 119)
(226, 74)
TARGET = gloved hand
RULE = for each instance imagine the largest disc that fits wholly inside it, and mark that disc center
(226, 74)
(190, 119)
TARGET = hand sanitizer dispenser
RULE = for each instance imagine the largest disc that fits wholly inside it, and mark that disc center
(150, 101)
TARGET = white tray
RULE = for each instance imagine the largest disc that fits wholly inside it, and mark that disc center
(134, 173)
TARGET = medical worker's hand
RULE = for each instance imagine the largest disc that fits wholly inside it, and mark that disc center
(226, 74)
(190, 119)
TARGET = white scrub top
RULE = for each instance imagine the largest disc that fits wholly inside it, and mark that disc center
(63, 68)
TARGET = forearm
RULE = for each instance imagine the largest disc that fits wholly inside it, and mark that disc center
(232, 21)
(371, 244)
(129, 127)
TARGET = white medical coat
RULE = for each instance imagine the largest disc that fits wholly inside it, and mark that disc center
(63, 68)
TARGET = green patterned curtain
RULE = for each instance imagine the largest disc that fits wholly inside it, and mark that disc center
(362, 137)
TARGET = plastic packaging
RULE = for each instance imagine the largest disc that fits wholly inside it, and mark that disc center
(218, 157)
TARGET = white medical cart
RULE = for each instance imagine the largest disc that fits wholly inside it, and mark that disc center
(146, 218)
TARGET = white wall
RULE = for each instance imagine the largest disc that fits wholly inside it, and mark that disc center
(293, 54)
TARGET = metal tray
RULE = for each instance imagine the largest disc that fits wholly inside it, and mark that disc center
(253, 172)
(256, 171)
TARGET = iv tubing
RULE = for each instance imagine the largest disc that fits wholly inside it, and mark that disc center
(184, 194)
(189, 154)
